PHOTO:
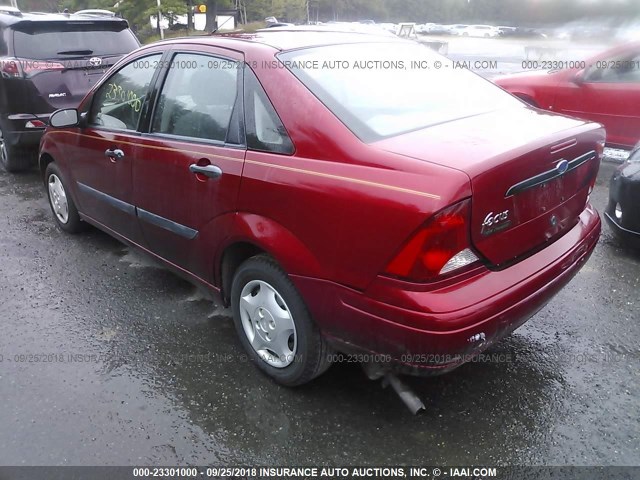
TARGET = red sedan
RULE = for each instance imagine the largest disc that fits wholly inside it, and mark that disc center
(336, 198)
(604, 89)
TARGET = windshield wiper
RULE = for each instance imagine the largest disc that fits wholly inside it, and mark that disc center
(76, 52)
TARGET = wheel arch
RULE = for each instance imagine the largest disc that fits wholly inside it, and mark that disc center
(44, 159)
(255, 235)
(232, 257)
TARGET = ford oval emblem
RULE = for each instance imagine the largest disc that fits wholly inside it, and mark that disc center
(562, 166)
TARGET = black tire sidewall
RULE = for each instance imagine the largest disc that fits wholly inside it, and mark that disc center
(303, 368)
(74, 223)
(18, 157)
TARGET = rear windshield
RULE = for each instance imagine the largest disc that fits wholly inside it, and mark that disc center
(66, 40)
(386, 89)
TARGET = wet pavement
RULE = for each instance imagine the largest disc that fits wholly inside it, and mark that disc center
(107, 359)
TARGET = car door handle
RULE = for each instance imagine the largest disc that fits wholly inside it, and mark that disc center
(211, 171)
(114, 154)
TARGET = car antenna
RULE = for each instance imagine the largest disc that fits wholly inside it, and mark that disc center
(220, 26)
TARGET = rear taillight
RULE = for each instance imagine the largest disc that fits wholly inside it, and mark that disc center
(14, 67)
(35, 124)
(10, 67)
(442, 246)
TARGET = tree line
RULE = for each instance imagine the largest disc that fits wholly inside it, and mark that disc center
(517, 12)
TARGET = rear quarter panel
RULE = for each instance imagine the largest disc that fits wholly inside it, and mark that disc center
(350, 206)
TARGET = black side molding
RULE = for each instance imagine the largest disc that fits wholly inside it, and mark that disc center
(158, 221)
(108, 199)
(173, 227)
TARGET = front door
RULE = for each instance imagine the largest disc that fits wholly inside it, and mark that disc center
(104, 152)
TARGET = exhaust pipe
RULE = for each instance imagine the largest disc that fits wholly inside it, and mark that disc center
(375, 371)
(408, 396)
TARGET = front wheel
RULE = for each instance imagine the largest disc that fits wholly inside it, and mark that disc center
(64, 209)
(274, 324)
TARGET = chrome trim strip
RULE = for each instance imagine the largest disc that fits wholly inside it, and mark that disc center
(254, 162)
(549, 175)
(108, 199)
(173, 227)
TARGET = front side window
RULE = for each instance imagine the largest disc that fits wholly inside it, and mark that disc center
(118, 102)
(198, 98)
(621, 69)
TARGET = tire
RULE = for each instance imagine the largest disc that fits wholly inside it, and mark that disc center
(62, 205)
(14, 159)
(276, 328)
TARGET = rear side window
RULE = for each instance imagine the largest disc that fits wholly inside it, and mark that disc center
(69, 40)
(198, 98)
(265, 131)
(118, 102)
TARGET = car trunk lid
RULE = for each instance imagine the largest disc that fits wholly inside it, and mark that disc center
(530, 172)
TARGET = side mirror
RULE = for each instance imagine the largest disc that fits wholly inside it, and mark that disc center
(578, 78)
(67, 117)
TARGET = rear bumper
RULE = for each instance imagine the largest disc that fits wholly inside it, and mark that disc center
(16, 133)
(629, 237)
(448, 326)
(624, 192)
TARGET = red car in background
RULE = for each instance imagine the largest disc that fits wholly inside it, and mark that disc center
(603, 89)
(312, 182)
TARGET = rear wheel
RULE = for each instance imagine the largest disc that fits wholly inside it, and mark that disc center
(274, 324)
(14, 159)
(64, 209)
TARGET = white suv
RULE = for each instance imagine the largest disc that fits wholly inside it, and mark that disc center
(486, 31)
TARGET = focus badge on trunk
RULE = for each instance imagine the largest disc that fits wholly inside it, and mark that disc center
(495, 222)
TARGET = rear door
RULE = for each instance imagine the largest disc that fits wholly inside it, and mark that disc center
(188, 167)
(63, 60)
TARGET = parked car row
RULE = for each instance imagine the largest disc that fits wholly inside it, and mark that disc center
(413, 229)
(478, 31)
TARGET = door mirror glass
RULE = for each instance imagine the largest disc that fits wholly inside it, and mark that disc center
(579, 77)
(68, 117)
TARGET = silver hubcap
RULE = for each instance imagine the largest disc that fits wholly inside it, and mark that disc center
(268, 324)
(58, 198)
